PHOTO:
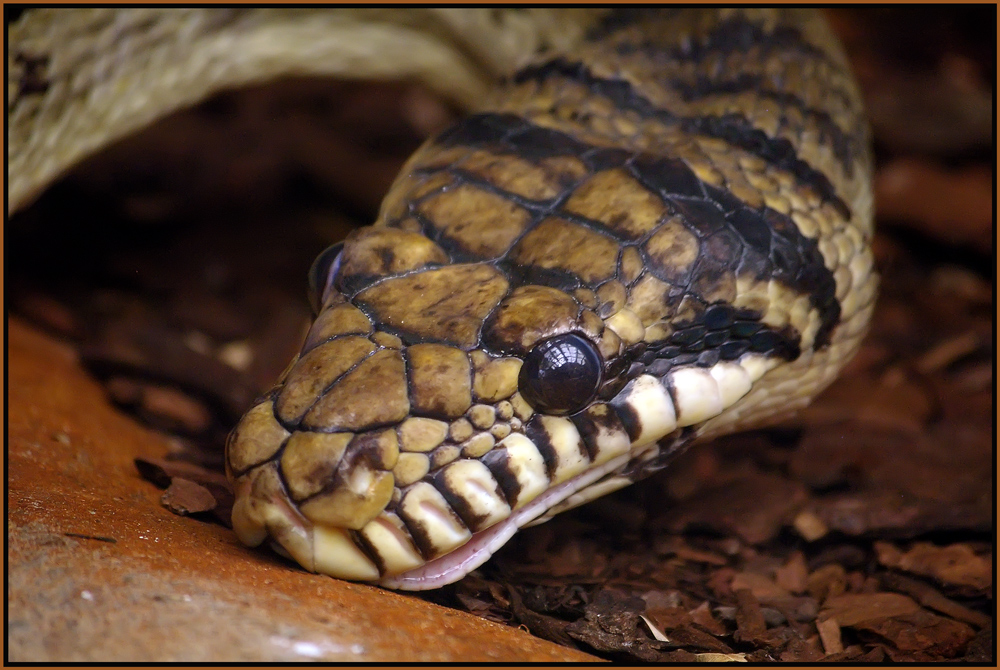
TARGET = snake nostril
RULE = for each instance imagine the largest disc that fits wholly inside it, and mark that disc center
(322, 274)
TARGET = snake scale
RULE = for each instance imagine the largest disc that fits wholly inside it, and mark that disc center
(656, 236)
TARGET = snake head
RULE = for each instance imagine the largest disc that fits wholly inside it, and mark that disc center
(434, 409)
(406, 426)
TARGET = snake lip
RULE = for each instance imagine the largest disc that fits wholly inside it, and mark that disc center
(458, 563)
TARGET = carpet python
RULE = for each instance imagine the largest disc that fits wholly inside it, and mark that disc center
(656, 238)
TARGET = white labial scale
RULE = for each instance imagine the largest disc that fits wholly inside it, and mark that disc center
(527, 466)
(387, 534)
(255, 516)
(473, 482)
(756, 365)
(335, 554)
(571, 454)
(732, 380)
(248, 529)
(652, 404)
(696, 395)
(425, 506)
(610, 443)
(297, 541)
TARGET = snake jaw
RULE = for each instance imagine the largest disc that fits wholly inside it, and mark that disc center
(421, 502)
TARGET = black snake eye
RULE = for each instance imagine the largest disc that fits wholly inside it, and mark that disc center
(322, 273)
(561, 375)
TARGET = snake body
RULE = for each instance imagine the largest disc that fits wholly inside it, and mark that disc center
(647, 237)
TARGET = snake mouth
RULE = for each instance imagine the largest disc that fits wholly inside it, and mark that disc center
(458, 563)
(347, 505)
(379, 549)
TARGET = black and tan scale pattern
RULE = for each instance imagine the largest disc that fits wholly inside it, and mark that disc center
(690, 190)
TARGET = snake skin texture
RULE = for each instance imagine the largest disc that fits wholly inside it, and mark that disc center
(678, 213)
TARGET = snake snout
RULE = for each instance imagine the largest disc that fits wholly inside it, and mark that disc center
(366, 460)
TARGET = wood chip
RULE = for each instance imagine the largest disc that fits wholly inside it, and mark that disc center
(793, 574)
(754, 508)
(922, 632)
(160, 471)
(702, 615)
(931, 598)
(763, 587)
(851, 609)
(827, 582)
(947, 352)
(720, 658)
(175, 408)
(750, 625)
(809, 526)
(186, 497)
(955, 564)
(656, 632)
(829, 633)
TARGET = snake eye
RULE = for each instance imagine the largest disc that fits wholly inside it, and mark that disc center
(561, 375)
(322, 273)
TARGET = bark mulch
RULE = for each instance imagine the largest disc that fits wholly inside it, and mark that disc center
(860, 532)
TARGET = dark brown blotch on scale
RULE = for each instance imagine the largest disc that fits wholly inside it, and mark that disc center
(713, 280)
(373, 394)
(315, 372)
(667, 176)
(740, 132)
(379, 448)
(535, 431)
(597, 419)
(475, 222)
(440, 380)
(653, 299)
(529, 314)
(736, 34)
(733, 128)
(703, 217)
(498, 462)
(672, 251)
(310, 461)
(806, 270)
(447, 304)
(338, 485)
(475, 521)
(560, 244)
(621, 204)
(844, 147)
(422, 538)
(371, 253)
(510, 133)
(627, 416)
(542, 180)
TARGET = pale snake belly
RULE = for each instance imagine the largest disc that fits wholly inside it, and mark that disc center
(657, 237)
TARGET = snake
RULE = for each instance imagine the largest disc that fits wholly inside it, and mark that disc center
(648, 237)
